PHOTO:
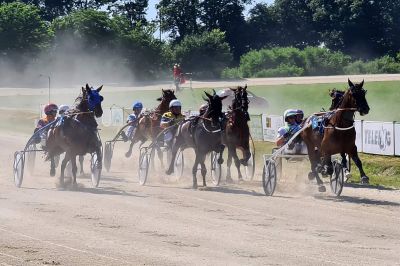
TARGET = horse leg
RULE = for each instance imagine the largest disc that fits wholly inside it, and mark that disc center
(81, 158)
(63, 165)
(52, 167)
(129, 152)
(194, 171)
(358, 163)
(160, 156)
(237, 164)
(175, 148)
(347, 173)
(221, 151)
(74, 170)
(228, 170)
(203, 169)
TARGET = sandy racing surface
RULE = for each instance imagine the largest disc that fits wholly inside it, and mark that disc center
(168, 223)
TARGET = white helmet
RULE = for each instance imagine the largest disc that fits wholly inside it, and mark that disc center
(175, 103)
(63, 108)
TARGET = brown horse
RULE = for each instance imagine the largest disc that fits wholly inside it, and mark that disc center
(76, 133)
(339, 134)
(148, 126)
(237, 132)
(203, 135)
(337, 98)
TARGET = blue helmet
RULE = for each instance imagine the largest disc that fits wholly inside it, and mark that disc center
(137, 105)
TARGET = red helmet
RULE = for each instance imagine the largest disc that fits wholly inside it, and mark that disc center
(50, 108)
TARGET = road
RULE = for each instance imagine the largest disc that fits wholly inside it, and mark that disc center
(165, 223)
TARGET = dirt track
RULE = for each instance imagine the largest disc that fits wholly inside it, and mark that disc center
(164, 223)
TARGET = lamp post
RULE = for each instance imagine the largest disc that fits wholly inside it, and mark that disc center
(41, 75)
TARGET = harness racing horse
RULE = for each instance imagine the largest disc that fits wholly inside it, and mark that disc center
(76, 133)
(237, 132)
(339, 134)
(203, 135)
(337, 98)
(148, 126)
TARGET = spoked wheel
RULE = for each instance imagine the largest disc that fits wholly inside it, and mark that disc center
(144, 164)
(18, 168)
(337, 178)
(95, 170)
(269, 177)
(179, 165)
(250, 168)
(215, 169)
(31, 158)
(108, 153)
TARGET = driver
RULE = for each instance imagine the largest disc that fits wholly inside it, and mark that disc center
(173, 117)
(137, 108)
(289, 129)
(50, 111)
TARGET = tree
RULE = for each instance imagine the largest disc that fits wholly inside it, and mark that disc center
(179, 17)
(22, 30)
(135, 10)
(363, 28)
(263, 27)
(206, 54)
(227, 16)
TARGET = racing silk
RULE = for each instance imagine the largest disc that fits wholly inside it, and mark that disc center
(288, 130)
(131, 118)
(43, 122)
(170, 119)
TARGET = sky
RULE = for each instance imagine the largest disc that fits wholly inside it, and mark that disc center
(152, 12)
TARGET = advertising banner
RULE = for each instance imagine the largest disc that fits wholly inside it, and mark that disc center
(255, 126)
(358, 127)
(270, 126)
(378, 137)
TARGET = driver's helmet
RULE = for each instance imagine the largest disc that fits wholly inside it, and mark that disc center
(62, 109)
(300, 113)
(203, 108)
(289, 113)
(175, 103)
(50, 109)
(137, 105)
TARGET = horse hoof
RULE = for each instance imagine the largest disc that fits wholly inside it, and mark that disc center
(169, 172)
(365, 180)
(241, 180)
(347, 175)
(128, 154)
(311, 176)
(220, 161)
(243, 162)
(321, 189)
(194, 186)
(74, 186)
(229, 180)
(60, 185)
(52, 172)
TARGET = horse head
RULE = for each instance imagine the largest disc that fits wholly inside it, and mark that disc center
(93, 98)
(214, 110)
(355, 95)
(165, 99)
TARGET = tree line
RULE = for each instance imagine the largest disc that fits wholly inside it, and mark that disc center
(208, 37)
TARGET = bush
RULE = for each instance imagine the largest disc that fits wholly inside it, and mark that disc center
(231, 73)
(382, 65)
(281, 71)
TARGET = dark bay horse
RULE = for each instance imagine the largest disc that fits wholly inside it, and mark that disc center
(148, 126)
(337, 98)
(339, 134)
(204, 135)
(237, 133)
(76, 133)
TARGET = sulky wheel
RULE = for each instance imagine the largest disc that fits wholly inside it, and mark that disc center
(18, 168)
(95, 170)
(215, 169)
(31, 158)
(337, 178)
(108, 153)
(269, 177)
(144, 164)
